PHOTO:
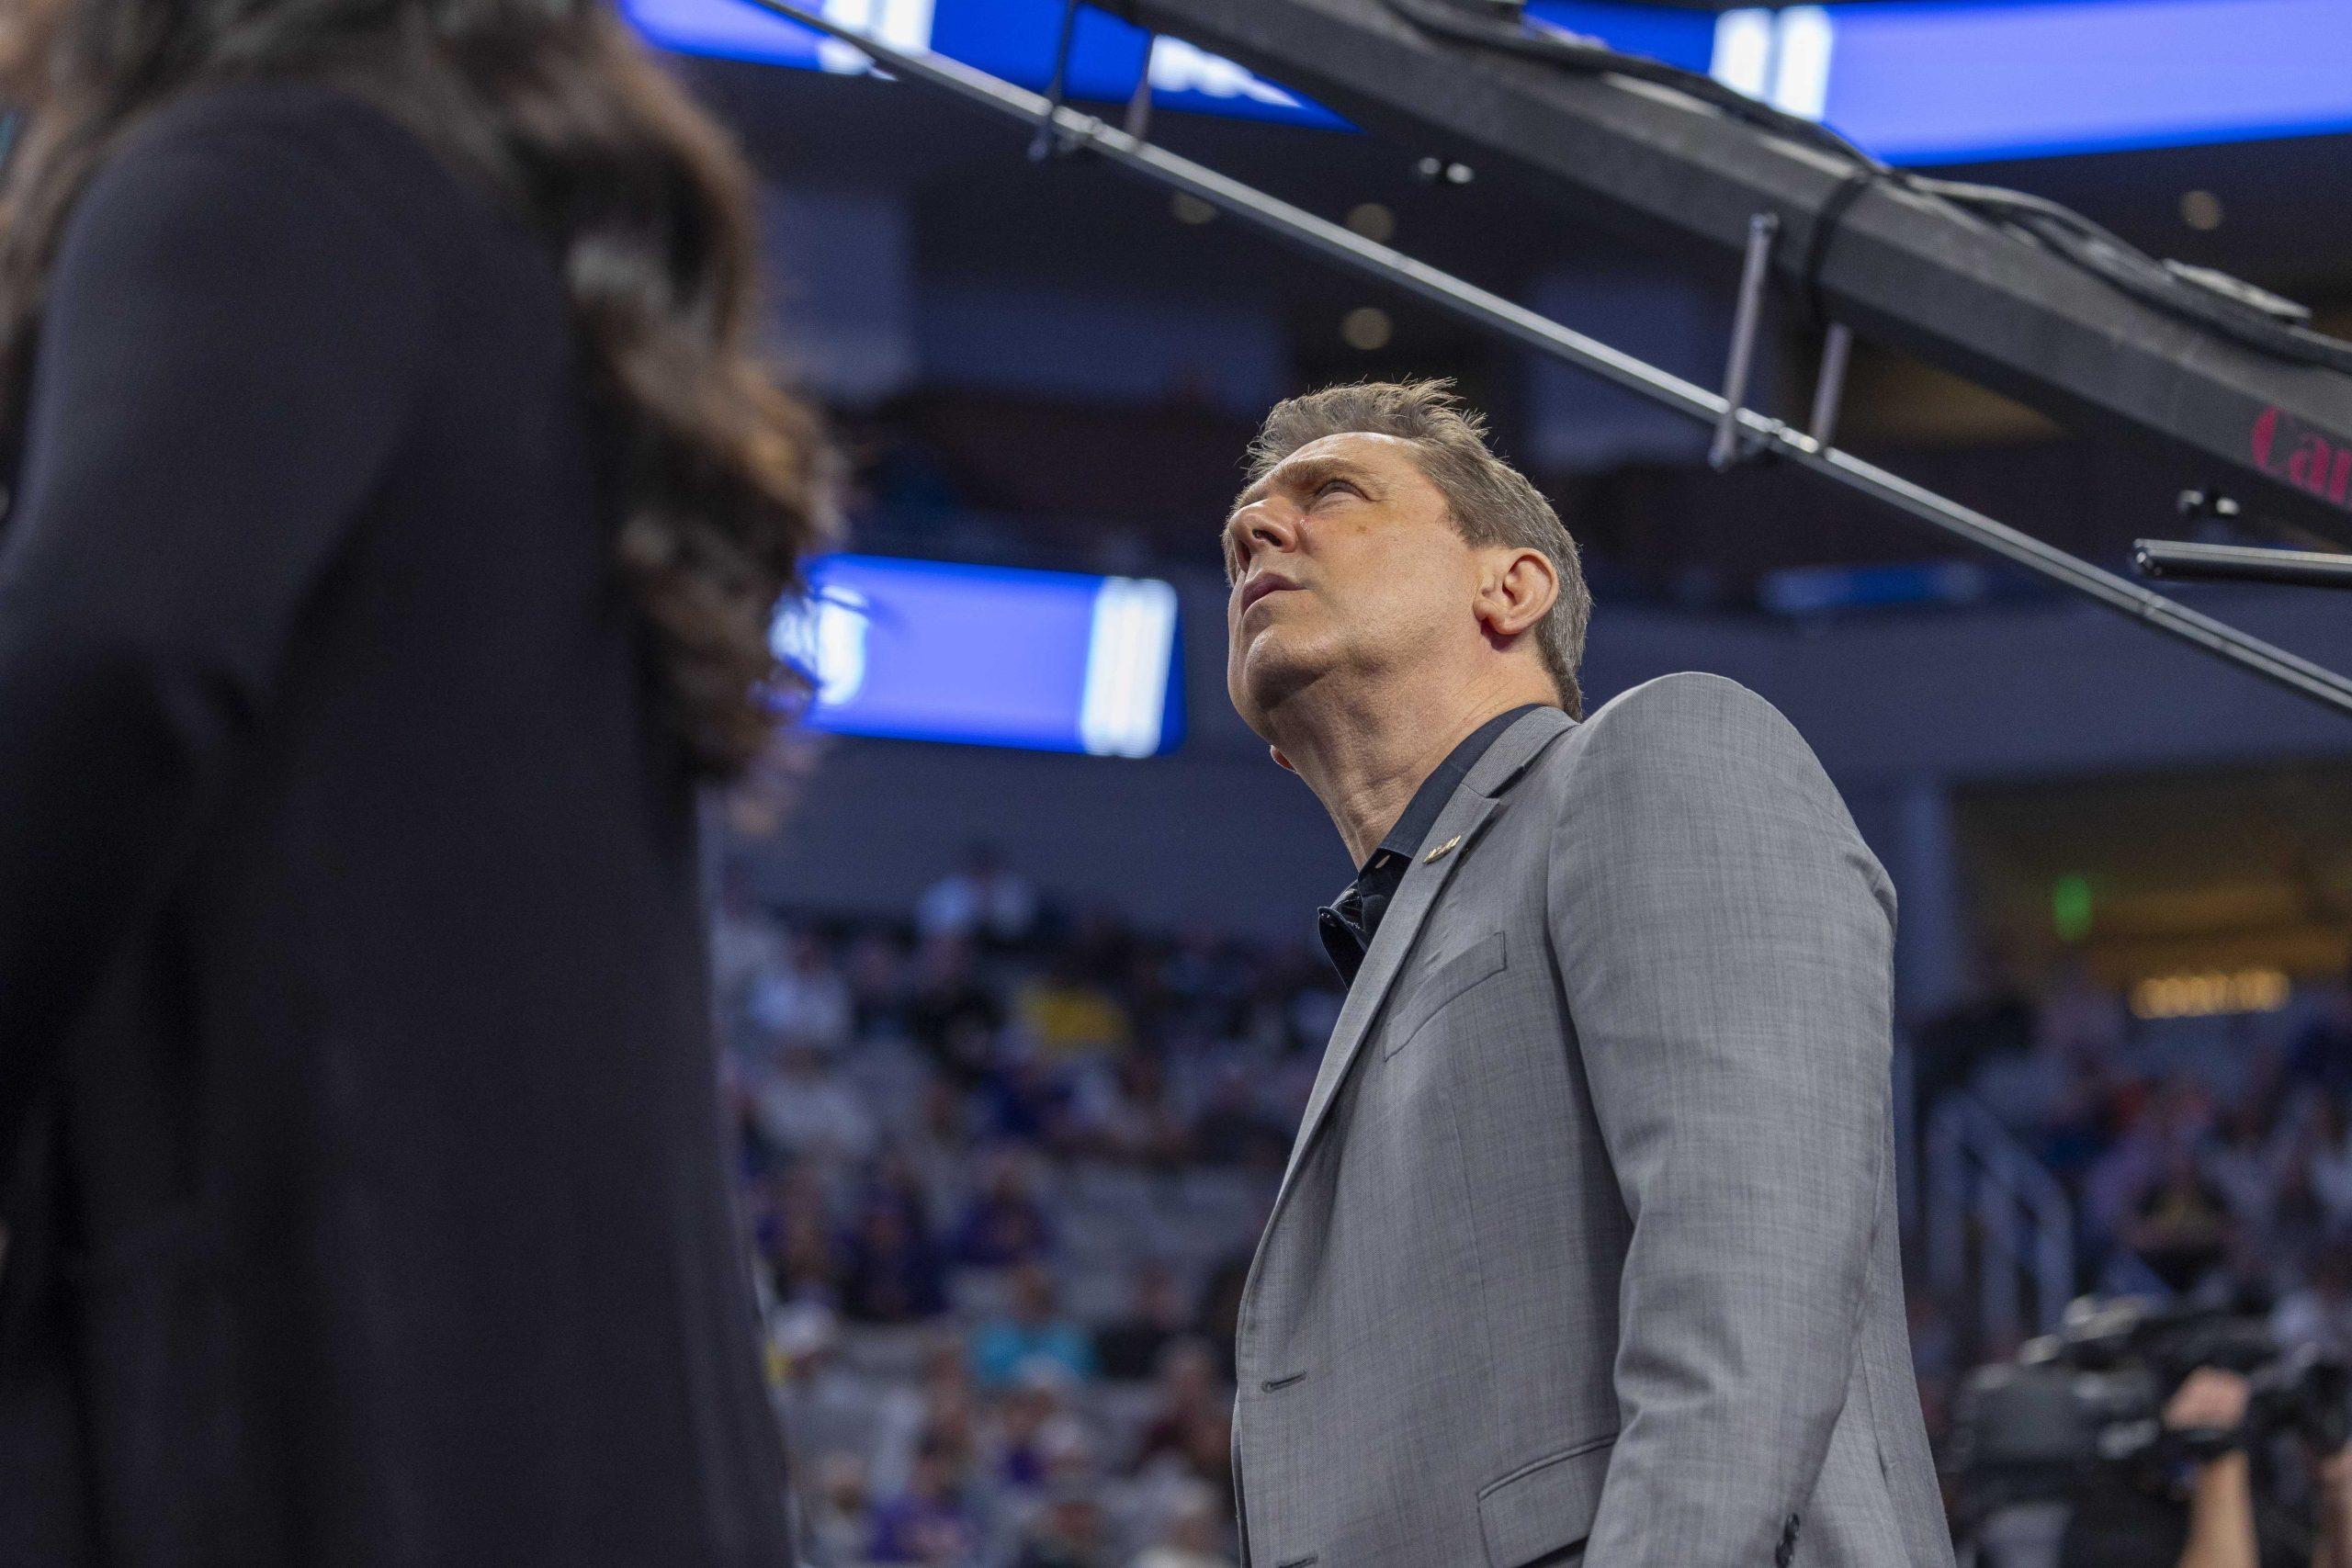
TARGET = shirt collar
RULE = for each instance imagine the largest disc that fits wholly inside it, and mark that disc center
(1347, 925)
(1429, 801)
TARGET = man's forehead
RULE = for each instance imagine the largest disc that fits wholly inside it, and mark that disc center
(1364, 449)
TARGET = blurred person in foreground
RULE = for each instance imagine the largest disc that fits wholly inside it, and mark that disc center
(399, 509)
(1587, 1246)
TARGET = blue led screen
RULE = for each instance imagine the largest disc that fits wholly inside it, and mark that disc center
(1927, 84)
(1914, 81)
(1041, 661)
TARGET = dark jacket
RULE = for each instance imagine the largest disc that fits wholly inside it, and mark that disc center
(368, 1194)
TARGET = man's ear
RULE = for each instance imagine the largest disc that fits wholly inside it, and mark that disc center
(1517, 590)
(1280, 759)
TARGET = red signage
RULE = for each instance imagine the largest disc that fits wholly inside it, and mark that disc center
(2312, 460)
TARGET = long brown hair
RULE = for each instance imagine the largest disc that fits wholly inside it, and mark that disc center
(646, 206)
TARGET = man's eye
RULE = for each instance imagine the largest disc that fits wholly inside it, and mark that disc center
(1328, 486)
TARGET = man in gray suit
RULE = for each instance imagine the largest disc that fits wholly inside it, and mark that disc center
(1587, 1249)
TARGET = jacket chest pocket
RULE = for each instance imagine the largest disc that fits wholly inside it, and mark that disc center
(1478, 962)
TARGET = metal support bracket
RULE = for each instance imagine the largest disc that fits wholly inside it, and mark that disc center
(1829, 386)
(1138, 121)
(1050, 141)
(2241, 563)
(1729, 447)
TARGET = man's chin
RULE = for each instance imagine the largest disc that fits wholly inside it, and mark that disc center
(1273, 671)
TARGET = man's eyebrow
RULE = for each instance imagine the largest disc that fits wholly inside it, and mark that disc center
(1304, 473)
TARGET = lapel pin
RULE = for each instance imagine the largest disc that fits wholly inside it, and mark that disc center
(1440, 853)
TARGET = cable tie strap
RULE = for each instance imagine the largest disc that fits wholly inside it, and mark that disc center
(1826, 225)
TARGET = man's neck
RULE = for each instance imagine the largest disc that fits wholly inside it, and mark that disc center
(1365, 754)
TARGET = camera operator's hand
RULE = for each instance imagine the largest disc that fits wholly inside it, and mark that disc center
(2211, 1399)
(2332, 1483)
(2220, 1505)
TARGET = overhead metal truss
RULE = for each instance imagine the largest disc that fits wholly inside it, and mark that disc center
(1741, 432)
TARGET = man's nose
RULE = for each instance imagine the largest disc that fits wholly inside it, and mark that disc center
(1265, 526)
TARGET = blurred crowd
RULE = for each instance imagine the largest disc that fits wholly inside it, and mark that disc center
(1004, 1166)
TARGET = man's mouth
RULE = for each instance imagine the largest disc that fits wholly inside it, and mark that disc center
(1258, 587)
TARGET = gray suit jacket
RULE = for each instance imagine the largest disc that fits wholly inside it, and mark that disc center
(1588, 1251)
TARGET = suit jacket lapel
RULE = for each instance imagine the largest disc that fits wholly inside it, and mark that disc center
(1475, 801)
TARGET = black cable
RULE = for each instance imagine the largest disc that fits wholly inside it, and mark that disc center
(2251, 317)
(1825, 224)
(1448, 19)
(2247, 315)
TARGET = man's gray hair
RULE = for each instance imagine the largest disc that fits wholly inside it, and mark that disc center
(1489, 502)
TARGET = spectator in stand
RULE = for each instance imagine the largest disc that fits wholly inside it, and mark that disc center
(840, 1509)
(1994, 1018)
(891, 1271)
(1124, 1111)
(875, 971)
(1018, 1440)
(2180, 1225)
(1006, 1224)
(895, 1178)
(1192, 1534)
(2247, 1160)
(2173, 1118)
(2081, 1018)
(1220, 1314)
(2319, 1314)
(950, 1013)
(1034, 1332)
(2027, 1089)
(1025, 1101)
(2327, 1134)
(2092, 1098)
(983, 900)
(1129, 1351)
(1068, 1533)
(2299, 1219)
(933, 1522)
(939, 1145)
(2250, 1277)
(1209, 1450)
(940, 1403)
(1068, 1015)
(1034, 1426)
(804, 997)
(805, 1108)
(826, 1405)
(745, 946)
(2322, 1053)
(1191, 1392)
(798, 1246)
